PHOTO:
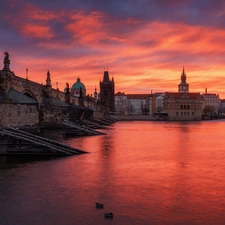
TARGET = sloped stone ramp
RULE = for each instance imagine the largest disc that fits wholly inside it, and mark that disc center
(15, 141)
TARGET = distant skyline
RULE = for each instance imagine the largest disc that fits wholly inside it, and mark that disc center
(144, 44)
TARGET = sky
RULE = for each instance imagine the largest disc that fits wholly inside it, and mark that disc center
(143, 44)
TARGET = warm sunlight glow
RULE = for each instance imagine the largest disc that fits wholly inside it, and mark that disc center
(142, 52)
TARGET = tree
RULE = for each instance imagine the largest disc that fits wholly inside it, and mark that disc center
(209, 110)
(130, 108)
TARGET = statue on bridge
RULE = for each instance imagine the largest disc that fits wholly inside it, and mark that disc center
(6, 61)
(6, 56)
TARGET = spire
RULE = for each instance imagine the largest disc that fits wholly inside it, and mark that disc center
(183, 76)
(183, 86)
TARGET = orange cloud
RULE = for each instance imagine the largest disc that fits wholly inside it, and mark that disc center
(37, 31)
(141, 55)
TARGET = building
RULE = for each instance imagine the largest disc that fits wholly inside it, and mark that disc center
(134, 104)
(223, 106)
(183, 105)
(121, 104)
(107, 92)
(139, 104)
(212, 103)
(159, 102)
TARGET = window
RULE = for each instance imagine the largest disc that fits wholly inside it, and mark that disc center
(181, 107)
(193, 113)
(188, 107)
(177, 113)
(181, 113)
(184, 106)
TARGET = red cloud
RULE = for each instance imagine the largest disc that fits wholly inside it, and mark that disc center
(141, 55)
(37, 31)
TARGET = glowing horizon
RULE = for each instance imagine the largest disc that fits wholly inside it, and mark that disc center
(144, 45)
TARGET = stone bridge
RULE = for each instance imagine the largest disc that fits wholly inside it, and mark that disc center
(52, 105)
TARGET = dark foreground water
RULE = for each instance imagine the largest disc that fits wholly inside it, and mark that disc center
(143, 172)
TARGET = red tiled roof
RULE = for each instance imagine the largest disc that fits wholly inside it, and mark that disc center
(209, 94)
(120, 94)
(180, 94)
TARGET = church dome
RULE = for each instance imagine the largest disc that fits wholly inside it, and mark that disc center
(77, 88)
(78, 85)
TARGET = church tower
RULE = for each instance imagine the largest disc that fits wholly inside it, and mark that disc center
(183, 86)
(107, 92)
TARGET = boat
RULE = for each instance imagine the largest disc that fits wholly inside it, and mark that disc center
(99, 205)
(108, 215)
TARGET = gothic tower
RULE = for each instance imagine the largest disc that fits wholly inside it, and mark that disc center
(183, 86)
(107, 92)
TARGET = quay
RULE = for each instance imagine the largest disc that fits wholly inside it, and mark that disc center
(133, 117)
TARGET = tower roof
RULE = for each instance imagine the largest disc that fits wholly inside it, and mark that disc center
(183, 76)
(106, 76)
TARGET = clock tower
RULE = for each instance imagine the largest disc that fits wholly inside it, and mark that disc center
(183, 86)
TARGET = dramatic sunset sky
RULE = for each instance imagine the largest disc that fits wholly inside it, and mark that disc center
(143, 43)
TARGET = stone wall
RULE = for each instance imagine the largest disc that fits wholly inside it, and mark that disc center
(18, 115)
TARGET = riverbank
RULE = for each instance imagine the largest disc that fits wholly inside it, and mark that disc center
(133, 117)
(153, 118)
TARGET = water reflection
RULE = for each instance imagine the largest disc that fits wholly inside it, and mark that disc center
(144, 172)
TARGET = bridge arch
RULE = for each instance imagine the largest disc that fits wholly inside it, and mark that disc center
(30, 94)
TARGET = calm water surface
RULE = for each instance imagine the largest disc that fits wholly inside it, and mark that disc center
(143, 172)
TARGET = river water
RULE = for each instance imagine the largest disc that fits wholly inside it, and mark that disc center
(143, 172)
